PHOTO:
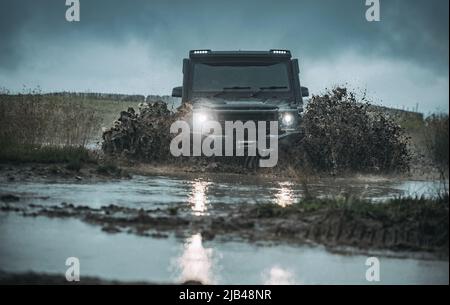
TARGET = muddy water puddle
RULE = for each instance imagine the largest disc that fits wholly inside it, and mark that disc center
(42, 245)
(202, 193)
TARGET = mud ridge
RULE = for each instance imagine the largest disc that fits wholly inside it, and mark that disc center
(408, 225)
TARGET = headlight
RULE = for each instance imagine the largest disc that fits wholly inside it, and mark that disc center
(287, 119)
(200, 118)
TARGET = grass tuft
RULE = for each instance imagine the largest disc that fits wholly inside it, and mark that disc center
(22, 153)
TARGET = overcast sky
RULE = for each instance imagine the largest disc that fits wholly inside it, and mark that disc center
(137, 46)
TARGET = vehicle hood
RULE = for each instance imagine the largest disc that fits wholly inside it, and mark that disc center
(254, 104)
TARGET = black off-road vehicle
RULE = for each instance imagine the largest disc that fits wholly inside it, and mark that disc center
(245, 85)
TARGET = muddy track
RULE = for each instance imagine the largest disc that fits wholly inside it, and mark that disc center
(421, 227)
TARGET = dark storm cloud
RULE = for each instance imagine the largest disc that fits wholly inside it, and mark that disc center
(35, 35)
(413, 30)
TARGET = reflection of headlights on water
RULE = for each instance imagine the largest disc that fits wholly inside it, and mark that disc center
(287, 119)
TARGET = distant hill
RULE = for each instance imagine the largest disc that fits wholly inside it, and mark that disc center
(174, 102)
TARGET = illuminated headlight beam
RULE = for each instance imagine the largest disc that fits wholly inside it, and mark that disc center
(200, 118)
(287, 119)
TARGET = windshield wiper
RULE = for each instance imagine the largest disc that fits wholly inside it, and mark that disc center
(226, 89)
(262, 89)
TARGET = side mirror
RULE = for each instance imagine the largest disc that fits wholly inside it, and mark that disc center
(177, 92)
(305, 91)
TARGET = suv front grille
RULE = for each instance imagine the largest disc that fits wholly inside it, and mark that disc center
(245, 116)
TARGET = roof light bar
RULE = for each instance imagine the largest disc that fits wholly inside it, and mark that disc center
(201, 51)
(279, 51)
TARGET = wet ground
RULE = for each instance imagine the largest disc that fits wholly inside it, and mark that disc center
(203, 192)
(42, 243)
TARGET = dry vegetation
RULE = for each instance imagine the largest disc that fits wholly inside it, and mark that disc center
(428, 144)
(436, 141)
(38, 127)
(342, 133)
(55, 119)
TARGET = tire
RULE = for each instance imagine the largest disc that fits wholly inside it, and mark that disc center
(251, 162)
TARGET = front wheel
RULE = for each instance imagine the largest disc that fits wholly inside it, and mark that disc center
(251, 162)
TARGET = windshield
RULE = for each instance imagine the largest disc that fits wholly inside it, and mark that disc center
(216, 78)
